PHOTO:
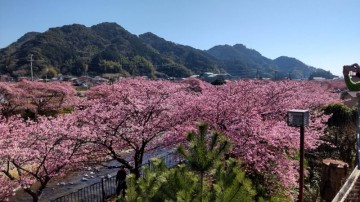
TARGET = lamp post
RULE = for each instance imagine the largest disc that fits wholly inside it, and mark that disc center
(299, 118)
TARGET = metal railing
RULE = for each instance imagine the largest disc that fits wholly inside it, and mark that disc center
(347, 186)
(106, 188)
(97, 192)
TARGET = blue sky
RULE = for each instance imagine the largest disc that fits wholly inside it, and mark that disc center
(321, 33)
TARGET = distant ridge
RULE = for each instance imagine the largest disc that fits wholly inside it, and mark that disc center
(108, 48)
(242, 62)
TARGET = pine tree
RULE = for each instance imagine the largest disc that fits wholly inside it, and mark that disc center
(203, 152)
(226, 181)
(231, 183)
(162, 184)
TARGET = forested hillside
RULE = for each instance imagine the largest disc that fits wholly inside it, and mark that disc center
(109, 48)
(103, 48)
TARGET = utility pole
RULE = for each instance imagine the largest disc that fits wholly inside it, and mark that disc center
(275, 72)
(31, 68)
(46, 74)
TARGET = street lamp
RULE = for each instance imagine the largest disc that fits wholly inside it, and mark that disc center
(299, 118)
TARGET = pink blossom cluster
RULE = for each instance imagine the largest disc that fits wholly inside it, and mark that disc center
(38, 151)
(141, 115)
(37, 97)
(252, 114)
(131, 114)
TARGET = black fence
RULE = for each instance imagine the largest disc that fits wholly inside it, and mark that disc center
(97, 192)
(106, 188)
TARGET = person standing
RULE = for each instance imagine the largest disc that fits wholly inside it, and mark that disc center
(121, 181)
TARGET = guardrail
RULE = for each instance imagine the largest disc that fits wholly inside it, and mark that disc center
(347, 187)
(106, 188)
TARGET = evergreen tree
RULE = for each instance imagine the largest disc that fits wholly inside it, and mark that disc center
(203, 152)
(341, 132)
(225, 180)
(162, 184)
(231, 183)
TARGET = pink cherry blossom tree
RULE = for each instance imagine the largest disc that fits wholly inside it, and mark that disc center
(131, 114)
(11, 98)
(36, 152)
(7, 182)
(141, 115)
(36, 97)
(252, 114)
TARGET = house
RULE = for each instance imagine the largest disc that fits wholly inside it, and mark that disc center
(211, 77)
(319, 78)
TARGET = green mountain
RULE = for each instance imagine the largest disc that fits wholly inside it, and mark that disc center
(297, 69)
(198, 61)
(107, 48)
(294, 67)
(103, 48)
(242, 62)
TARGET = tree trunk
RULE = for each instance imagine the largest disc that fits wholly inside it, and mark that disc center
(137, 166)
(138, 158)
(34, 196)
(136, 170)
